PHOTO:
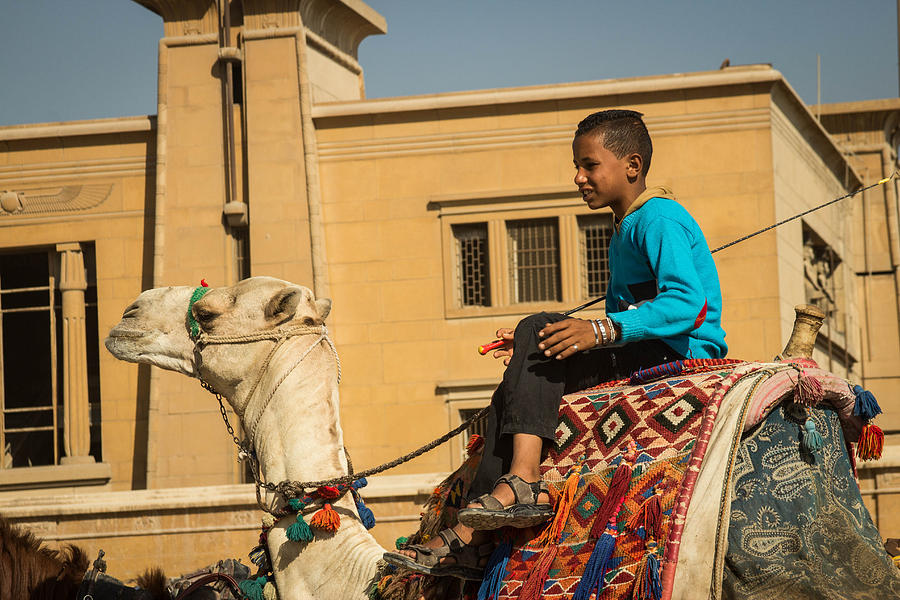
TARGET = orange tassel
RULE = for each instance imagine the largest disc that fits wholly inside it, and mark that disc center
(326, 519)
(563, 508)
(871, 442)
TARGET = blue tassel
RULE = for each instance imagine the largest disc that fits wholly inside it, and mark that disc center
(866, 407)
(299, 531)
(812, 439)
(365, 513)
(595, 570)
(259, 556)
(495, 572)
(650, 588)
(253, 588)
(359, 483)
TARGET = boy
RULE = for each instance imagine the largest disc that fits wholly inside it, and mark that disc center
(663, 303)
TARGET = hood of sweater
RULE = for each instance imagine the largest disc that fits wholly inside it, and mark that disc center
(657, 191)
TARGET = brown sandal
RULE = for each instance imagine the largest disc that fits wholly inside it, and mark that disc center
(525, 511)
(467, 558)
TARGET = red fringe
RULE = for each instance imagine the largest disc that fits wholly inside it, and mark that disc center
(326, 519)
(871, 442)
(533, 588)
(648, 516)
(328, 492)
(475, 444)
(808, 391)
(618, 487)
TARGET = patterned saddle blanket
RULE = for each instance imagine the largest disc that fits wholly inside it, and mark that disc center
(696, 484)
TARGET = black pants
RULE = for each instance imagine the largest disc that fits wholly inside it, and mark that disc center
(527, 400)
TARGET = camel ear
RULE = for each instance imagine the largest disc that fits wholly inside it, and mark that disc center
(283, 305)
(323, 307)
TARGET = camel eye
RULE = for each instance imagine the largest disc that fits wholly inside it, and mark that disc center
(203, 315)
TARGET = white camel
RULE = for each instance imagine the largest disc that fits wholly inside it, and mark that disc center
(154, 330)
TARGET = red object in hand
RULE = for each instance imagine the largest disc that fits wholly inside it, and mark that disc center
(484, 349)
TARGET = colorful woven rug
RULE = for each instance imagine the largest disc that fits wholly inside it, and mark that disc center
(668, 424)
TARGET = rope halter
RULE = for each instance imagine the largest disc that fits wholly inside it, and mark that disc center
(280, 335)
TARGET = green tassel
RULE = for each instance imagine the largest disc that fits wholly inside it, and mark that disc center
(401, 542)
(253, 588)
(299, 531)
(812, 439)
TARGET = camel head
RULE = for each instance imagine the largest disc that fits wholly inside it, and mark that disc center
(155, 328)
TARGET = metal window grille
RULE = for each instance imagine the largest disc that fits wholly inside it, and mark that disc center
(31, 359)
(594, 233)
(472, 264)
(534, 260)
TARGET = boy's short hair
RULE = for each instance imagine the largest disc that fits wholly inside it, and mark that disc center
(623, 133)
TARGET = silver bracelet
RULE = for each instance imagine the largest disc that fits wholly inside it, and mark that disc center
(603, 334)
(596, 334)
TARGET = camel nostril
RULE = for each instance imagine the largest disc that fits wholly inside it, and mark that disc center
(130, 311)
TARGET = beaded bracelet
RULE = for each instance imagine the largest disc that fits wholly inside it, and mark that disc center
(603, 333)
(613, 332)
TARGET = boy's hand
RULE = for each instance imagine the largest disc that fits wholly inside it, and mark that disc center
(565, 338)
(506, 351)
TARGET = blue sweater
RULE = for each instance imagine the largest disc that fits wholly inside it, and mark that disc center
(660, 263)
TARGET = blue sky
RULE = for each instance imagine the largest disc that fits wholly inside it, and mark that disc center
(65, 60)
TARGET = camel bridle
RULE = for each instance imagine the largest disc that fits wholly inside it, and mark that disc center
(291, 489)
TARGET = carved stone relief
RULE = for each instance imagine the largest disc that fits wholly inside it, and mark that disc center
(50, 200)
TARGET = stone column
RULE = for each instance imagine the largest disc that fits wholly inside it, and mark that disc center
(76, 416)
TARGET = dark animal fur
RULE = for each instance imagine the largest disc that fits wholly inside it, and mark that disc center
(29, 571)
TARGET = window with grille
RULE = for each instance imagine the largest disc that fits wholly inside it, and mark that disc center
(32, 359)
(472, 264)
(594, 233)
(534, 260)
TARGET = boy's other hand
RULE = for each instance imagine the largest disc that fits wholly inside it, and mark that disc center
(564, 338)
(506, 351)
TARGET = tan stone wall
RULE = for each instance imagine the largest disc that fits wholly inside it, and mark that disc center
(113, 166)
(383, 174)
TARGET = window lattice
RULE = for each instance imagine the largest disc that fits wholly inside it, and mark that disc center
(534, 260)
(594, 233)
(472, 264)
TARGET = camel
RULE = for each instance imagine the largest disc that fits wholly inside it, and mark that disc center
(236, 353)
(153, 331)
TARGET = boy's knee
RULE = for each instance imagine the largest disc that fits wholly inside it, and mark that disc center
(534, 323)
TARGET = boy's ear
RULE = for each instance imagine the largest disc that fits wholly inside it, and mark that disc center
(634, 165)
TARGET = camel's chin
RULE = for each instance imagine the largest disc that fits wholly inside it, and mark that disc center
(137, 348)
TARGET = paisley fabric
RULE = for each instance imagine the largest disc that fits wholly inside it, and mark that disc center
(799, 528)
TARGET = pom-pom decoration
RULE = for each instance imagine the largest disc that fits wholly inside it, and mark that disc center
(865, 407)
(808, 390)
(326, 519)
(871, 442)
(812, 439)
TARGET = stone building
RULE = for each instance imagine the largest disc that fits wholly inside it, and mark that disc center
(417, 216)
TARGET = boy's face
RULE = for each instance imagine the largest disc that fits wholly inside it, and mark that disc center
(602, 179)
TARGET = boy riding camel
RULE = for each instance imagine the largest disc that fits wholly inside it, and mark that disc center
(663, 303)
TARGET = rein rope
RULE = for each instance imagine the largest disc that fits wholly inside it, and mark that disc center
(293, 489)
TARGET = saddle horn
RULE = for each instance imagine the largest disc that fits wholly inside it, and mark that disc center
(808, 320)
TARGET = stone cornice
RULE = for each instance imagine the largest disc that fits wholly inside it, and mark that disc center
(566, 91)
(344, 23)
(185, 17)
(73, 128)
